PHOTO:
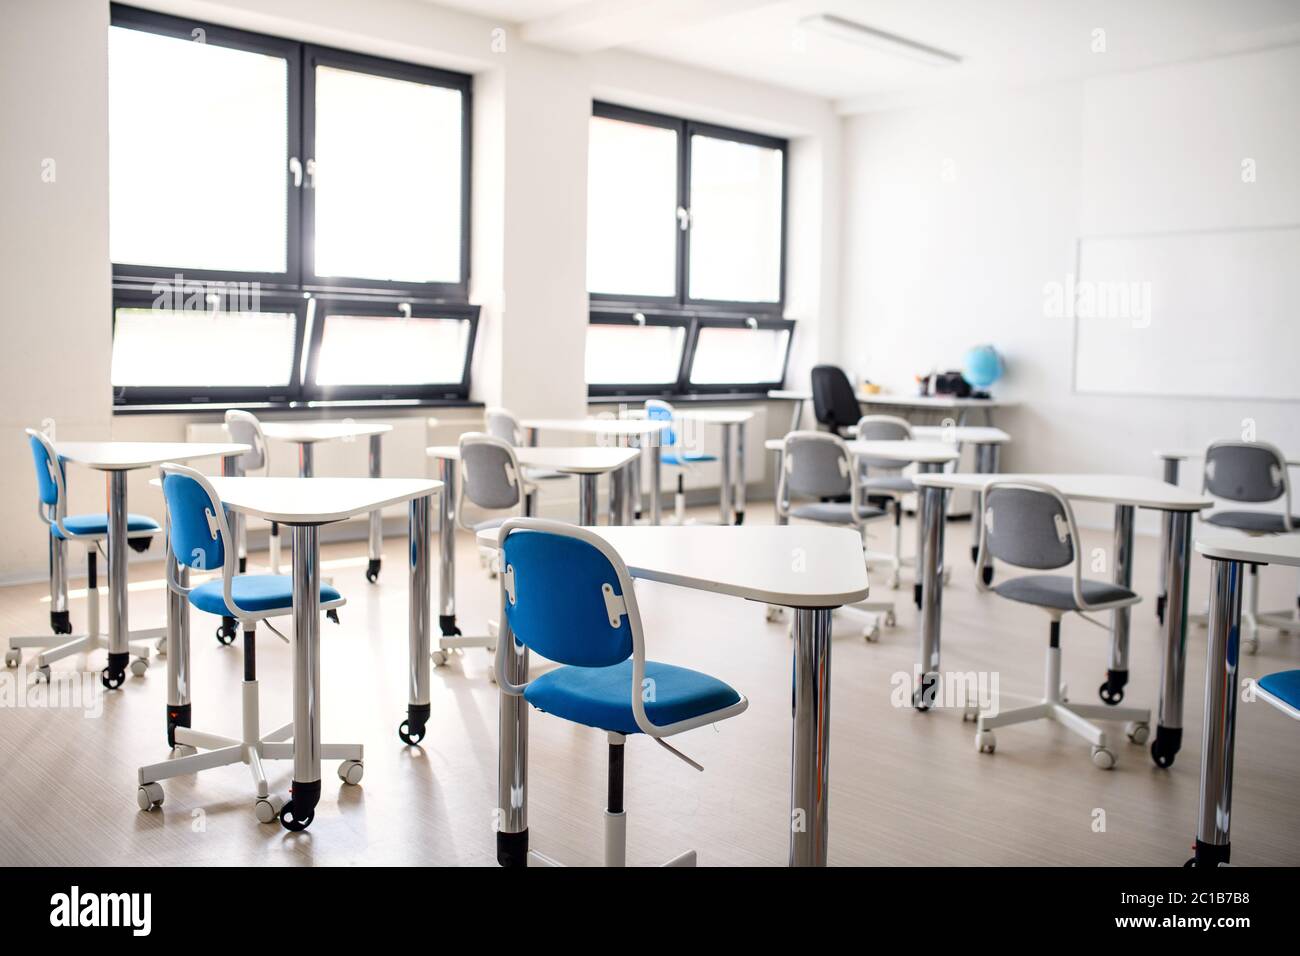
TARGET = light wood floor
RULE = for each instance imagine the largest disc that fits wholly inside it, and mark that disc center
(906, 788)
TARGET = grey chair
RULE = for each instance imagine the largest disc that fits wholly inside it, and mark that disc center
(501, 423)
(1029, 524)
(882, 478)
(817, 465)
(1254, 473)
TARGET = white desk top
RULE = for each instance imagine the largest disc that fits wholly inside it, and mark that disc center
(714, 416)
(1137, 490)
(961, 434)
(596, 426)
(129, 455)
(307, 433)
(752, 561)
(316, 500)
(583, 460)
(1183, 454)
(930, 401)
(900, 450)
(789, 395)
(1256, 549)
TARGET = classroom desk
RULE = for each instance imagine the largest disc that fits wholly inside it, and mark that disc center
(1125, 492)
(1170, 459)
(1227, 551)
(796, 399)
(116, 458)
(961, 407)
(747, 562)
(627, 433)
(304, 504)
(587, 462)
(306, 435)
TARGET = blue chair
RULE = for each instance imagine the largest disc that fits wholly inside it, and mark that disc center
(568, 596)
(1282, 690)
(679, 457)
(92, 531)
(200, 539)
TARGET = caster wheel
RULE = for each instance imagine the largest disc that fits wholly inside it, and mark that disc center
(332, 615)
(266, 809)
(42, 674)
(1163, 758)
(987, 574)
(149, 796)
(293, 822)
(1137, 733)
(139, 666)
(890, 619)
(14, 657)
(182, 750)
(1102, 758)
(112, 680)
(439, 658)
(1064, 691)
(919, 701)
(160, 647)
(970, 715)
(985, 742)
(871, 634)
(774, 613)
(410, 737)
(1252, 645)
(351, 772)
(1109, 696)
(225, 635)
(895, 582)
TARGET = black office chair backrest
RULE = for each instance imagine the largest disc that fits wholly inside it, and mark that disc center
(1027, 527)
(835, 404)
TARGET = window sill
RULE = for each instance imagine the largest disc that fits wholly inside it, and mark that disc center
(690, 398)
(218, 408)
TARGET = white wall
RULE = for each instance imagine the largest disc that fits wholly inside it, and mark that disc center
(959, 214)
(528, 256)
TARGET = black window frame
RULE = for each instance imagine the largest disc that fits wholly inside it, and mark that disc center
(756, 322)
(646, 317)
(133, 283)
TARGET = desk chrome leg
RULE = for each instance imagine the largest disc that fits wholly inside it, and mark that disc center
(1173, 670)
(740, 473)
(114, 675)
(376, 517)
(305, 789)
(230, 468)
(447, 548)
(810, 743)
(934, 506)
(1215, 815)
(417, 709)
(306, 459)
(1112, 691)
(656, 476)
(796, 414)
(512, 756)
(178, 651)
(587, 500)
(1162, 575)
(724, 491)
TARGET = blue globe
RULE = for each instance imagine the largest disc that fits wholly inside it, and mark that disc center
(983, 366)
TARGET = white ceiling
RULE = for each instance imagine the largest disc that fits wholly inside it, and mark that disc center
(1002, 42)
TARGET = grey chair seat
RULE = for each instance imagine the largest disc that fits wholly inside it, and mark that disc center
(1256, 522)
(1057, 591)
(834, 512)
(900, 483)
(542, 474)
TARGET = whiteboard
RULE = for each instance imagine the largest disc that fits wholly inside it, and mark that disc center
(1197, 314)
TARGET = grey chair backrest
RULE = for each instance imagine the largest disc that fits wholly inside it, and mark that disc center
(501, 423)
(489, 471)
(883, 428)
(1028, 527)
(244, 428)
(815, 465)
(1245, 471)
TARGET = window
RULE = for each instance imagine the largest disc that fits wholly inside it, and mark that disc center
(685, 256)
(311, 178)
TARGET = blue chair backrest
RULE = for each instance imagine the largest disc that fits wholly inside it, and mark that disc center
(661, 412)
(559, 608)
(46, 486)
(195, 536)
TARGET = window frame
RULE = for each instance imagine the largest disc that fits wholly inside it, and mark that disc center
(756, 322)
(134, 284)
(657, 318)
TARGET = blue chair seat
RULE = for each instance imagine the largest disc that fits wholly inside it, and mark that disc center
(253, 592)
(1284, 685)
(601, 697)
(685, 458)
(98, 524)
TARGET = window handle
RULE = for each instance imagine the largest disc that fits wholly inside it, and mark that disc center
(311, 174)
(295, 167)
(683, 218)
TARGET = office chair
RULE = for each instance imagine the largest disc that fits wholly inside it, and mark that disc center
(680, 457)
(567, 595)
(92, 531)
(1028, 524)
(200, 538)
(835, 403)
(818, 465)
(501, 423)
(883, 479)
(1251, 472)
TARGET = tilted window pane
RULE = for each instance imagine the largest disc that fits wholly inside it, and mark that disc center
(383, 350)
(631, 209)
(180, 348)
(198, 154)
(387, 178)
(729, 356)
(634, 354)
(735, 221)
